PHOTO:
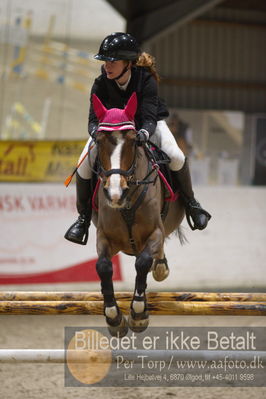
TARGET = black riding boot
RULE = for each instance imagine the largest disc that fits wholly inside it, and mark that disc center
(79, 231)
(199, 216)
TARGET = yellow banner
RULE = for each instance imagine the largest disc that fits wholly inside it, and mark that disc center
(38, 161)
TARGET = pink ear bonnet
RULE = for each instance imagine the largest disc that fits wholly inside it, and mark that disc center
(115, 118)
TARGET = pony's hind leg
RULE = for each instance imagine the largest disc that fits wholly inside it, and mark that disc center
(160, 269)
(116, 321)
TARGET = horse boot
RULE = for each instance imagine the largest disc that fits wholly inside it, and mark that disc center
(182, 181)
(78, 232)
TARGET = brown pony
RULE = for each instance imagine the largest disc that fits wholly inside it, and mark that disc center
(130, 201)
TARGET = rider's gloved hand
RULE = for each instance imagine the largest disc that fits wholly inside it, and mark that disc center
(142, 136)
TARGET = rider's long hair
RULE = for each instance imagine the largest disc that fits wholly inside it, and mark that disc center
(148, 61)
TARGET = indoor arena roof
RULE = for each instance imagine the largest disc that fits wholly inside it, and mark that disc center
(145, 19)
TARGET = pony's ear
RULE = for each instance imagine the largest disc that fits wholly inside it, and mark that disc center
(98, 107)
(131, 106)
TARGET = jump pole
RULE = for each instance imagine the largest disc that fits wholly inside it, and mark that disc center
(159, 303)
(127, 296)
(160, 308)
(103, 356)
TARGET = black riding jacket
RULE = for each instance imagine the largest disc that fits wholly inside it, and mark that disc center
(150, 108)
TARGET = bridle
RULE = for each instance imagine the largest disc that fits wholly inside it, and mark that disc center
(126, 173)
(129, 173)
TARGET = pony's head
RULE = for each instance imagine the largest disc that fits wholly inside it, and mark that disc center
(116, 139)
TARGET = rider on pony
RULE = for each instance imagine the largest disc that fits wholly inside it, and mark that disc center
(125, 71)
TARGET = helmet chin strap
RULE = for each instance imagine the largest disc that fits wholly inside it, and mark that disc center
(122, 73)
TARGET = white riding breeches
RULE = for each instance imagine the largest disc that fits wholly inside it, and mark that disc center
(165, 140)
(85, 169)
(162, 137)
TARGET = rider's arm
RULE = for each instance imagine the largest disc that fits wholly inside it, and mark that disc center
(93, 120)
(149, 105)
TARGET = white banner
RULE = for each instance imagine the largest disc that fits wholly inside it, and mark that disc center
(34, 218)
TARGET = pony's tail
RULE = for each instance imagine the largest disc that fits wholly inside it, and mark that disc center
(181, 235)
(148, 61)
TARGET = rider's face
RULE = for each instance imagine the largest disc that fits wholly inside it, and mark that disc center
(114, 68)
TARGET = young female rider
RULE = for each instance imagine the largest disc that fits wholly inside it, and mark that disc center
(125, 71)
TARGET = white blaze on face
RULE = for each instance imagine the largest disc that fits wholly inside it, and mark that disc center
(114, 189)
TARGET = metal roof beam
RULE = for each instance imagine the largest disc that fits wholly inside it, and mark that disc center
(167, 18)
(125, 7)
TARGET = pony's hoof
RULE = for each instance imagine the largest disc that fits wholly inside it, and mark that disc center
(120, 330)
(160, 270)
(140, 323)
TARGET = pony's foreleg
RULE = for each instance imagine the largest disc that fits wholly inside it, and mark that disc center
(116, 321)
(139, 317)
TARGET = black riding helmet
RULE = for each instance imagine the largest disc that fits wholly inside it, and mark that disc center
(118, 46)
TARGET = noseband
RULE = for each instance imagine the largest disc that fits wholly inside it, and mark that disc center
(127, 173)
